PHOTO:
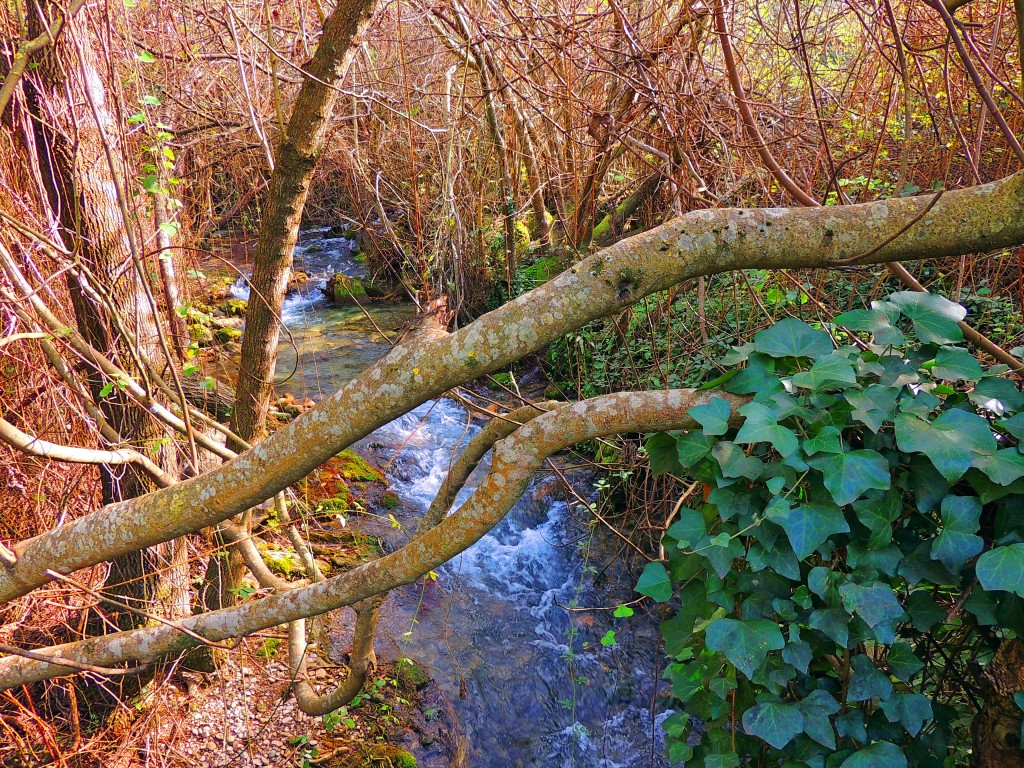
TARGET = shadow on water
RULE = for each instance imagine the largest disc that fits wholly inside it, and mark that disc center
(530, 679)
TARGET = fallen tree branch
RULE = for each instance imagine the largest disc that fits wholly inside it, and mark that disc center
(900, 272)
(974, 220)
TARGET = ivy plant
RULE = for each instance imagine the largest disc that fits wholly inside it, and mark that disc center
(860, 554)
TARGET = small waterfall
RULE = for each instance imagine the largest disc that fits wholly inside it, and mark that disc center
(319, 256)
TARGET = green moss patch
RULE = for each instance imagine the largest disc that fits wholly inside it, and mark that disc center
(340, 483)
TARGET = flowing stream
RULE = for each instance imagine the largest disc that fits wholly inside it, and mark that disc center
(529, 679)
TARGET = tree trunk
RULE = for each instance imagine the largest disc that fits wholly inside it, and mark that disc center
(997, 727)
(82, 178)
(297, 156)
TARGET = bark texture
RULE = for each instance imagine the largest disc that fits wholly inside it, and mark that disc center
(515, 459)
(82, 177)
(997, 726)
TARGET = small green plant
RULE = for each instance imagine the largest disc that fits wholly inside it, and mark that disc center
(860, 552)
(269, 648)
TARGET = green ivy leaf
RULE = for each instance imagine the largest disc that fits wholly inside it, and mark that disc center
(654, 583)
(902, 661)
(760, 426)
(774, 722)
(911, 710)
(1015, 426)
(1002, 467)
(876, 605)
(848, 475)
(793, 338)
(678, 630)
(832, 623)
(713, 416)
(828, 440)
(956, 364)
(661, 451)
(958, 541)
(623, 612)
(758, 377)
(170, 228)
(689, 529)
(735, 463)
(997, 395)
(797, 652)
(745, 644)
(808, 525)
(723, 552)
(852, 725)
(935, 318)
(1002, 568)
(817, 707)
(950, 442)
(722, 760)
(828, 373)
(924, 612)
(679, 752)
(881, 754)
(873, 406)
(983, 606)
(867, 681)
(878, 515)
(920, 403)
(874, 321)
(692, 447)
(608, 639)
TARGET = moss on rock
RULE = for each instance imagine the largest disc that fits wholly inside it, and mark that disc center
(343, 289)
(411, 674)
(373, 756)
(339, 482)
(226, 334)
(354, 467)
(283, 562)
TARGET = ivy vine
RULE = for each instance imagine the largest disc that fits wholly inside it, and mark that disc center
(860, 555)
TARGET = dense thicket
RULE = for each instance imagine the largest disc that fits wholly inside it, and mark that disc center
(631, 189)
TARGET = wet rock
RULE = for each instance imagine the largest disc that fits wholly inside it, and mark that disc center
(412, 674)
(343, 289)
(297, 278)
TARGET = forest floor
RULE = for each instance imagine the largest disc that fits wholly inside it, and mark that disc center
(243, 716)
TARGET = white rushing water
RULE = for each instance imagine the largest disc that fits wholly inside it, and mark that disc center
(503, 626)
(319, 256)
